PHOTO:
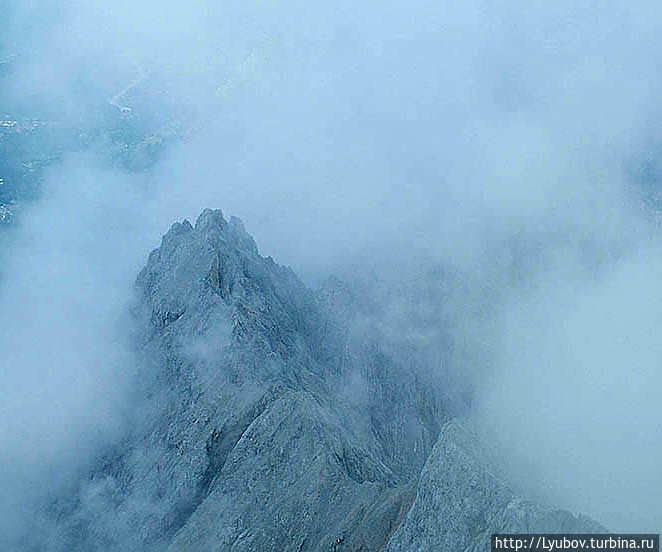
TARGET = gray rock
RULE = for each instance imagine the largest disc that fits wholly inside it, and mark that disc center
(462, 499)
(268, 420)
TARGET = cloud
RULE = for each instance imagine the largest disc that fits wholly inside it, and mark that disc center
(571, 398)
(66, 356)
(510, 144)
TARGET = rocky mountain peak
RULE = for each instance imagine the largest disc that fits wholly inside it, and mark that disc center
(266, 426)
(214, 269)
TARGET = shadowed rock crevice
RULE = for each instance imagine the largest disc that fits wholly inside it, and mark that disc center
(217, 447)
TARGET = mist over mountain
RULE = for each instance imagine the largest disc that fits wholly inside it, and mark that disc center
(468, 197)
(267, 421)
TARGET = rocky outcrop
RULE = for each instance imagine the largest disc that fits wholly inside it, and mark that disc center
(462, 499)
(267, 420)
(263, 425)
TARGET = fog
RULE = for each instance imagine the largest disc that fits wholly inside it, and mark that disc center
(516, 146)
(66, 357)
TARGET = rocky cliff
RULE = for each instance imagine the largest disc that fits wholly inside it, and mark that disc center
(269, 421)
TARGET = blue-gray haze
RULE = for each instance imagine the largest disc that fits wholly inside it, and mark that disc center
(485, 175)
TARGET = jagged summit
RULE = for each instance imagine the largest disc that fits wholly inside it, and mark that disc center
(210, 221)
(269, 424)
(214, 266)
(212, 224)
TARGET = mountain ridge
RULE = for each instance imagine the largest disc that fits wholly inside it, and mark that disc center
(270, 422)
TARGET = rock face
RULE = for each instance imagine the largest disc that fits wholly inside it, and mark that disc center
(268, 422)
(461, 500)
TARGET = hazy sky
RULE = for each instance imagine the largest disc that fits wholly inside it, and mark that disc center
(511, 142)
